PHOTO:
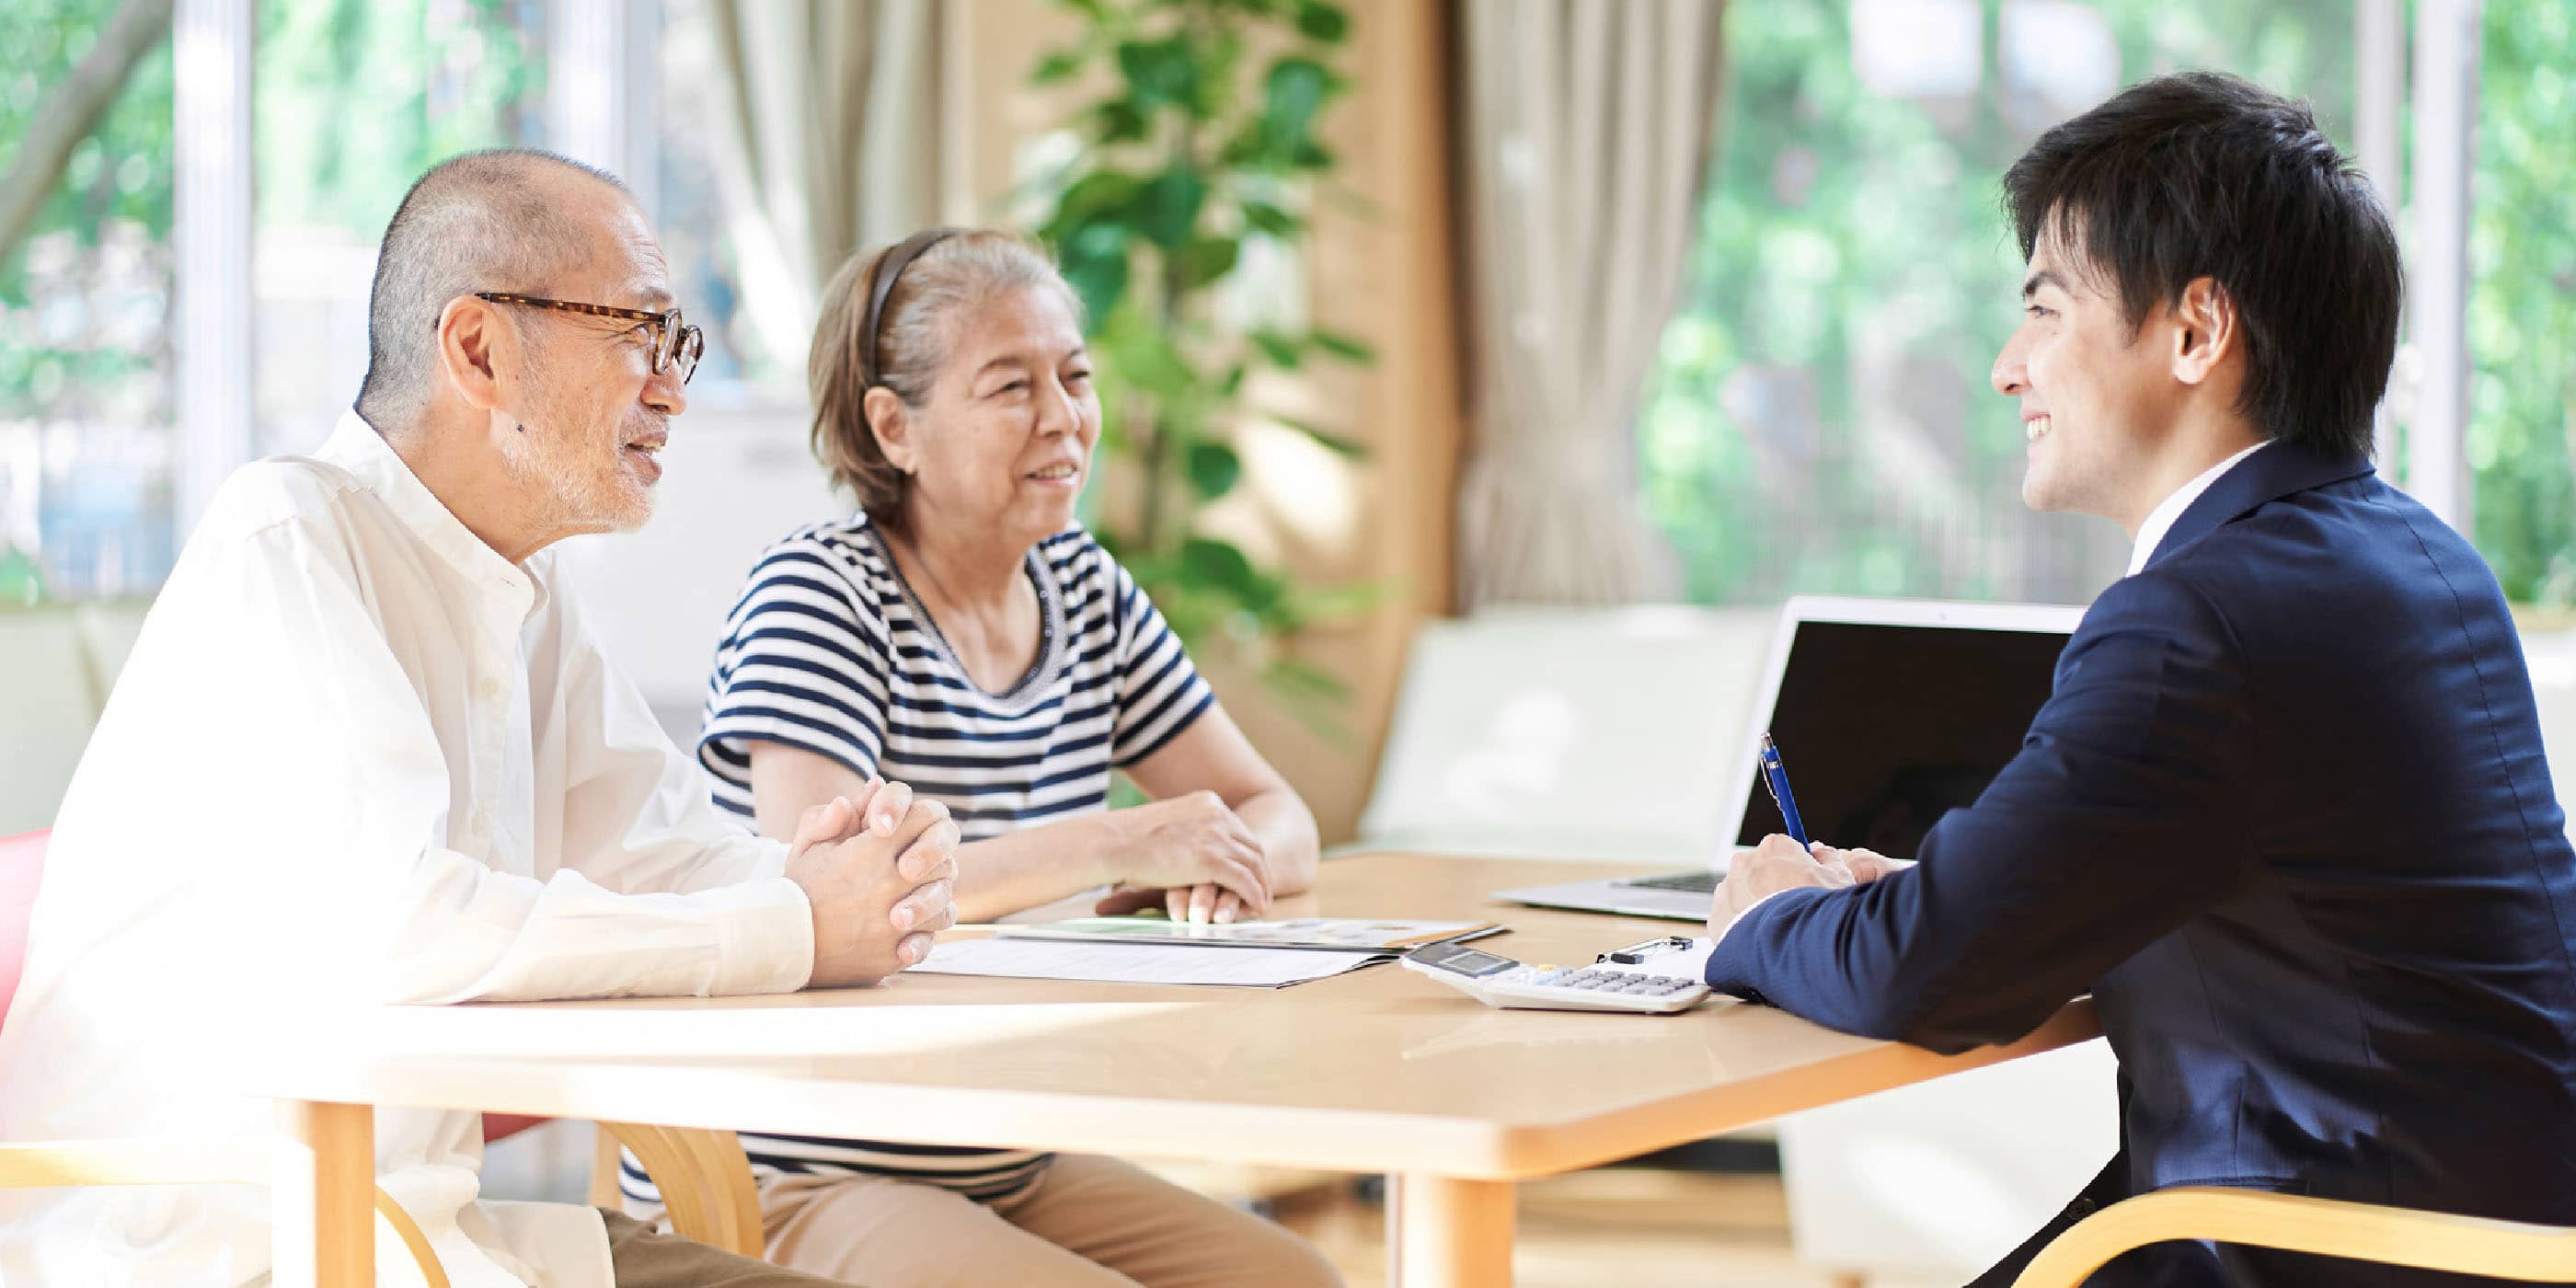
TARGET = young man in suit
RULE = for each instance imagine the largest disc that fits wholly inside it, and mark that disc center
(2286, 814)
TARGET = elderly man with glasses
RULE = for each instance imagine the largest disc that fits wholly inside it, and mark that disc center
(367, 751)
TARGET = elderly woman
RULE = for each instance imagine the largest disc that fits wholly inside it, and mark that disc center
(961, 633)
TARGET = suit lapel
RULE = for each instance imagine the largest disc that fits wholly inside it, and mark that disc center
(2276, 471)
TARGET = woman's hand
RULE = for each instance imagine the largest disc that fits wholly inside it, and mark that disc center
(1202, 903)
(1189, 852)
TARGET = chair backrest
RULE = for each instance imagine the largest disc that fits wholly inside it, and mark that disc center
(1595, 733)
(22, 862)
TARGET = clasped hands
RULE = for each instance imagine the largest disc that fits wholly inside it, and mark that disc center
(1780, 863)
(880, 870)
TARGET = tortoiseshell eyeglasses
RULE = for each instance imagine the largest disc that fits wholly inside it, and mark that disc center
(673, 340)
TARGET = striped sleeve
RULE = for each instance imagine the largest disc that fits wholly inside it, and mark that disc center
(1159, 692)
(803, 662)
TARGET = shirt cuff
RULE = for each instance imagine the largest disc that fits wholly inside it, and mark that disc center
(764, 937)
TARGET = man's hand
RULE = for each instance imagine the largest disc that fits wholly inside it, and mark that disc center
(1188, 853)
(1778, 864)
(881, 875)
(1865, 865)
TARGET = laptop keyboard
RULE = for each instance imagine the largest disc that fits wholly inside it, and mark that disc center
(1699, 882)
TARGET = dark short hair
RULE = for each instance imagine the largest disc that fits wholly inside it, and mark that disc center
(2205, 175)
(478, 221)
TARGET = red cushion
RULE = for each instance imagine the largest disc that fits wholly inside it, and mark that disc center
(501, 1126)
(22, 860)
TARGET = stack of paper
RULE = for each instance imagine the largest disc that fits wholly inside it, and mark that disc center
(1126, 963)
(1370, 934)
(1150, 950)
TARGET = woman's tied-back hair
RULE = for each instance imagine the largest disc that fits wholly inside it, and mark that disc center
(938, 290)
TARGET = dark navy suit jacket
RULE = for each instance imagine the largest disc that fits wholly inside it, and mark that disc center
(2286, 816)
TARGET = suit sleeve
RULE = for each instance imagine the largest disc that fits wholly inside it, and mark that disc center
(2121, 818)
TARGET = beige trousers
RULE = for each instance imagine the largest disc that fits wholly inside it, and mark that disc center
(643, 1257)
(1088, 1222)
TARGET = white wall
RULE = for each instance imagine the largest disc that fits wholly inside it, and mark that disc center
(735, 477)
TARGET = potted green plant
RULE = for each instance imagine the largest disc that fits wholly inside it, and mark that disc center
(1202, 139)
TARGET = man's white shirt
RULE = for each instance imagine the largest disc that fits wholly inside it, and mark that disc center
(2160, 520)
(355, 758)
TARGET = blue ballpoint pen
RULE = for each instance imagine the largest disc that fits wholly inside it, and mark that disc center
(1776, 777)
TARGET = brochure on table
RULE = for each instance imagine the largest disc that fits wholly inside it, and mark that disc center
(1339, 934)
(1123, 963)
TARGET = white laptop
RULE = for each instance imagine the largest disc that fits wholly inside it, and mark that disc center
(1888, 713)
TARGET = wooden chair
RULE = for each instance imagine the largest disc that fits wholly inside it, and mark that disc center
(704, 1178)
(2293, 1223)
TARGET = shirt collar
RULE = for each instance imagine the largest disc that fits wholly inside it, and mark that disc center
(2161, 519)
(356, 447)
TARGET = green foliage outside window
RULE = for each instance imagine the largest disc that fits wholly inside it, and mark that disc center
(357, 97)
(1820, 419)
(56, 361)
(2522, 301)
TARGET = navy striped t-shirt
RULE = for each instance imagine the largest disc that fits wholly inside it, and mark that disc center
(828, 650)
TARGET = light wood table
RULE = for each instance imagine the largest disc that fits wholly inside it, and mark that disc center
(1374, 1071)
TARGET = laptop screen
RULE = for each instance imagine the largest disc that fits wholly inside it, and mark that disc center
(1884, 728)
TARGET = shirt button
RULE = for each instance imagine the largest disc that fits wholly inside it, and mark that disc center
(492, 691)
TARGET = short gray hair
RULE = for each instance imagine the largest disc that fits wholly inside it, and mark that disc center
(952, 278)
(479, 221)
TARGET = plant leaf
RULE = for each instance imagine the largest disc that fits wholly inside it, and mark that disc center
(1279, 348)
(1342, 601)
(1262, 217)
(1291, 95)
(1103, 196)
(1208, 562)
(1094, 262)
(1305, 679)
(1118, 120)
(1159, 71)
(1342, 345)
(1058, 65)
(1206, 259)
(1321, 21)
(1340, 445)
(1168, 206)
(1213, 469)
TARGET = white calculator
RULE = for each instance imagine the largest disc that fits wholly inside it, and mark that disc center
(1500, 981)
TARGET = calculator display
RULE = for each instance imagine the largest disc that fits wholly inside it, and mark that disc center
(1465, 961)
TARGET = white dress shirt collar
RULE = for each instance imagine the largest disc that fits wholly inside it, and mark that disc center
(356, 447)
(2161, 519)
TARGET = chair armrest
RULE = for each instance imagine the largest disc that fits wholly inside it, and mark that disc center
(76, 1163)
(2294, 1223)
(705, 1181)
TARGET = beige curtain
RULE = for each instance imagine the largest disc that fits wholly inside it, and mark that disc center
(837, 142)
(1586, 133)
